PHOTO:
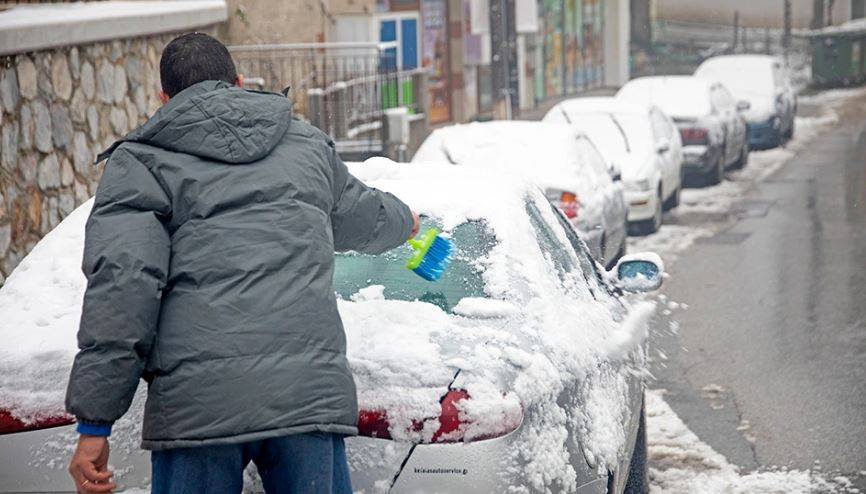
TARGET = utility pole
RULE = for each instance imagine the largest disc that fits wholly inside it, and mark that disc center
(736, 31)
(786, 36)
(817, 14)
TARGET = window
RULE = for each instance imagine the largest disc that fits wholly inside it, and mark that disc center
(593, 159)
(463, 278)
(661, 127)
(550, 246)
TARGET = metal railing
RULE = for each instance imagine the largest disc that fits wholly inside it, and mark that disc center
(342, 88)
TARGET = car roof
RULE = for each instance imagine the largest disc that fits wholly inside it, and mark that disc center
(548, 154)
(601, 104)
(751, 59)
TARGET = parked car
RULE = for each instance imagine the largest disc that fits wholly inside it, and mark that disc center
(520, 367)
(763, 81)
(638, 140)
(558, 158)
(710, 120)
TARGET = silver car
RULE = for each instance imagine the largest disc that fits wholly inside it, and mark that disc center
(521, 368)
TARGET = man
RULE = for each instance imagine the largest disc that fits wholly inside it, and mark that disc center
(209, 259)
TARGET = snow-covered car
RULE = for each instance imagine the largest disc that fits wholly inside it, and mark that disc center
(521, 368)
(763, 81)
(638, 140)
(710, 120)
(558, 158)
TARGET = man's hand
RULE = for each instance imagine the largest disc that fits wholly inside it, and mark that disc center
(416, 225)
(89, 465)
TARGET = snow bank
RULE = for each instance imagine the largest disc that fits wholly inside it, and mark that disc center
(681, 463)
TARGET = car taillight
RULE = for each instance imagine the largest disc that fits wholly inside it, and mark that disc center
(694, 136)
(10, 424)
(452, 428)
(569, 204)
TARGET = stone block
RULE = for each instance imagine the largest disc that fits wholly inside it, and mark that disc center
(88, 83)
(78, 106)
(61, 79)
(9, 145)
(27, 77)
(9, 94)
(61, 125)
(105, 82)
(67, 174)
(28, 168)
(28, 127)
(42, 134)
(49, 173)
(119, 121)
(120, 86)
(74, 63)
(93, 122)
(82, 156)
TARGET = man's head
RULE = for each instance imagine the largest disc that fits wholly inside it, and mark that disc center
(192, 58)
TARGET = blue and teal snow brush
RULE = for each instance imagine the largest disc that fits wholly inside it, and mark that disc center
(432, 255)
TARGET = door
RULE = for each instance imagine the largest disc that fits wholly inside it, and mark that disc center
(663, 132)
(403, 30)
(725, 108)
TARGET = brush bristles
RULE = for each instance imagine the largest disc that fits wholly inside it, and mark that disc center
(436, 260)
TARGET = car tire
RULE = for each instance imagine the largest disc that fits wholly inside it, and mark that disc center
(717, 174)
(638, 481)
(743, 159)
(653, 224)
(789, 134)
(674, 200)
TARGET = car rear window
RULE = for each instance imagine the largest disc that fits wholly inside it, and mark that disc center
(463, 278)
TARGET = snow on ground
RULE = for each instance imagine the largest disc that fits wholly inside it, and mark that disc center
(681, 463)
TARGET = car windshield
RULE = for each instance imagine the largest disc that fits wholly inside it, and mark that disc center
(463, 278)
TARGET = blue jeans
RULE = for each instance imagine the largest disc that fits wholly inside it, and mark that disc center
(313, 463)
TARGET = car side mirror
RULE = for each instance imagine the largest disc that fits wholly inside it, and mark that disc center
(743, 105)
(638, 273)
(663, 146)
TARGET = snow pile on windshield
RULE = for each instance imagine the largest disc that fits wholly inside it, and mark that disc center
(678, 96)
(680, 463)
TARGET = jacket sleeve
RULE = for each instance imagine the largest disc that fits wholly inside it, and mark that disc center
(126, 258)
(365, 219)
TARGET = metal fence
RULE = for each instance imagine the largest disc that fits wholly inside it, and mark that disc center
(342, 88)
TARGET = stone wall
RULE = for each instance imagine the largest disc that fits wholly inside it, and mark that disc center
(58, 109)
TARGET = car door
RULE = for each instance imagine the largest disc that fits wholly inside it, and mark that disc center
(662, 132)
(723, 112)
(606, 294)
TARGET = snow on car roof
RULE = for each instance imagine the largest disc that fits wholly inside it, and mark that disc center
(678, 96)
(742, 74)
(598, 104)
(546, 152)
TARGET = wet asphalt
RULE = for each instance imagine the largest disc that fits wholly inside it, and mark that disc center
(769, 364)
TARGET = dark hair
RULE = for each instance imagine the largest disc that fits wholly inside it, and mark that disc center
(194, 57)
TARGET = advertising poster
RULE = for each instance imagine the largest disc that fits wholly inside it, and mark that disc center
(434, 47)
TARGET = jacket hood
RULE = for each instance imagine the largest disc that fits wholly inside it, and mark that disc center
(217, 121)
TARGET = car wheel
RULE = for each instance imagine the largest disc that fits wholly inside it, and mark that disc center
(638, 482)
(743, 159)
(717, 174)
(674, 200)
(789, 134)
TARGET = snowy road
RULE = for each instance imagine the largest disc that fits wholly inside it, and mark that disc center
(765, 370)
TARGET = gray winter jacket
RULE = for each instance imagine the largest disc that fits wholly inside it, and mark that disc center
(209, 256)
